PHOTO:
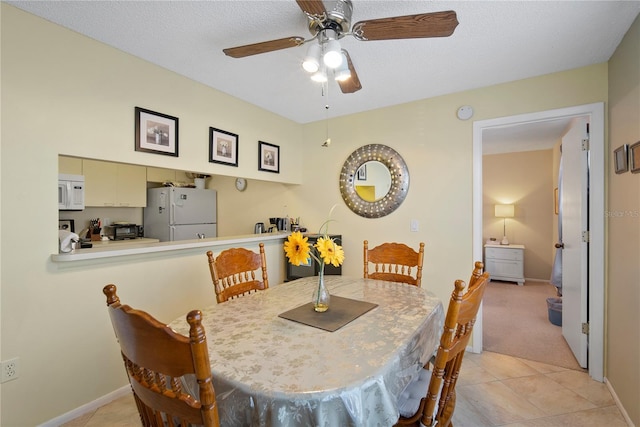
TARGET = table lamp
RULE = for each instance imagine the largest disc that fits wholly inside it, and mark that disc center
(504, 212)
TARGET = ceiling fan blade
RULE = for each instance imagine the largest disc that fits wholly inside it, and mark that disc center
(436, 24)
(312, 7)
(352, 84)
(263, 47)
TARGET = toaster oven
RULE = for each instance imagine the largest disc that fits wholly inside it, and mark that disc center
(125, 231)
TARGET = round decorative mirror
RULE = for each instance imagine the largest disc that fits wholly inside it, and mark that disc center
(374, 181)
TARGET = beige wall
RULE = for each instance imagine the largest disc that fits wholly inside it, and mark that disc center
(1, 209)
(65, 94)
(524, 179)
(438, 150)
(623, 288)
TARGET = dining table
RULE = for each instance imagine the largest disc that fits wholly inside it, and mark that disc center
(269, 370)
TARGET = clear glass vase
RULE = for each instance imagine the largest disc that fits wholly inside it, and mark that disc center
(321, 297)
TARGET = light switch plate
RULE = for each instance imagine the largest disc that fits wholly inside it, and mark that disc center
(414, 225)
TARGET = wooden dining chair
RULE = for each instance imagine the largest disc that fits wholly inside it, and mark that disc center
(394, 262)
(430, 399)
(234, 270)
(478, 268)
(156, 359)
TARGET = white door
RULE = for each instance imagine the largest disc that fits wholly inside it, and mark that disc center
(574, 205)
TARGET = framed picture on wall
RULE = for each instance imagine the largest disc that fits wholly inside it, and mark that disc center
(634, 157)
(620, 159)
(268, 157)
(362, 173)
(223, 147)
(156, 132)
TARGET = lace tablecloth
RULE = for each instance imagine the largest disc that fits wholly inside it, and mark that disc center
(269, 371)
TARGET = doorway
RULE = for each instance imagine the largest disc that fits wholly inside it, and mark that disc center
(595, 113)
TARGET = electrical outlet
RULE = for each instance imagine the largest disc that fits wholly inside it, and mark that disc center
(10, 370)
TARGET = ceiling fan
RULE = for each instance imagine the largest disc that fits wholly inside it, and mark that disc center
(328, 25)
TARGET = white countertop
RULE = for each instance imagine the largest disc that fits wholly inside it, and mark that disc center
(108, 249)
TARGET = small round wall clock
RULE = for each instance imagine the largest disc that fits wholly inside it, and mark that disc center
(241, 184)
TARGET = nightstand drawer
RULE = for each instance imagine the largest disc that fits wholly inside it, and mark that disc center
(507, 270)
(504, 253)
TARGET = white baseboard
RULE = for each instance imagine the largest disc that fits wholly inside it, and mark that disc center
(618, 403)
(538, 280)
(89, 407)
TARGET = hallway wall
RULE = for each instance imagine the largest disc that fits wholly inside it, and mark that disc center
(526, 180)
(623, 219)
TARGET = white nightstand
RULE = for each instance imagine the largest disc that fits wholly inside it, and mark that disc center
(505, 262)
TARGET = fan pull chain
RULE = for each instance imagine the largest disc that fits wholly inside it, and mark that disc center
(325, 89)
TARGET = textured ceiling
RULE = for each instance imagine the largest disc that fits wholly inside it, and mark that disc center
(495, 42)
(532, 136)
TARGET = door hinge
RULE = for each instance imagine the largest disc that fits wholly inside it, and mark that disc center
(586, 236)
(585, 144)
(585, 328)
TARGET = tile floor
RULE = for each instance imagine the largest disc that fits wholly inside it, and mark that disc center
(493, 390)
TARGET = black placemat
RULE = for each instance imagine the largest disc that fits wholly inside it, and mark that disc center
(341, 311)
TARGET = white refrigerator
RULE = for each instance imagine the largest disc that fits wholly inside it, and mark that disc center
(175, 213)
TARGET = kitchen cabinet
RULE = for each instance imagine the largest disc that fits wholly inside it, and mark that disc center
(114, 184)
(166, 175)
(505, 262)
(69, 165)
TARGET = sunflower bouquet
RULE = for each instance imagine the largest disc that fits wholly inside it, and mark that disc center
(324, 251)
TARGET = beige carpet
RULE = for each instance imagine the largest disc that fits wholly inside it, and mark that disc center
(516, 323)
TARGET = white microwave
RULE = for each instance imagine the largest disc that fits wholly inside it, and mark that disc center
(70, 192)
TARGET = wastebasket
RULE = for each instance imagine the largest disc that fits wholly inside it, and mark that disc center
(554, 306)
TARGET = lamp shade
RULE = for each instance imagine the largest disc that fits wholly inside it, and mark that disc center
(505, 211)
(311, 62)
(333, 54)
(319, 76)
(342, 73)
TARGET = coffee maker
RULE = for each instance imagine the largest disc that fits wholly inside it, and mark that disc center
(279, 224)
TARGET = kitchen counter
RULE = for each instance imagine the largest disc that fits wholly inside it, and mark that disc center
(120, 248)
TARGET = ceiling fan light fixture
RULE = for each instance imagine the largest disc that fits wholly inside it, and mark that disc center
(319, 76)
(342, 75)
(330, 21)
(311, 62)
(343, 72)
(333, 54)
